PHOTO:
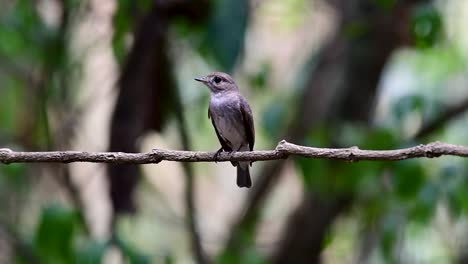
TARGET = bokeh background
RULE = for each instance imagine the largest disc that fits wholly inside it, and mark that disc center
(106, 75)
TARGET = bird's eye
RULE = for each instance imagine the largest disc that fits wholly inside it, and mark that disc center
(216, 80)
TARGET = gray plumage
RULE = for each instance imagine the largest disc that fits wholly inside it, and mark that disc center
(232, 120)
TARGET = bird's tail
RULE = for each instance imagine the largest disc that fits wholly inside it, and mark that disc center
(243, 175)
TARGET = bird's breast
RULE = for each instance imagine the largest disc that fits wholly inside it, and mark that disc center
(228, 120)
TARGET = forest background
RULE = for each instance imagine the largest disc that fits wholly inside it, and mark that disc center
(103, 75)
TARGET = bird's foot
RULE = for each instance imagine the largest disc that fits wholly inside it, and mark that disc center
(217, 154)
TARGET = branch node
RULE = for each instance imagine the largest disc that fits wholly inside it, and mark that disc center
(282, 146)
(431, 150)
(351, 155)
(4, 155)
(156, 156)
(155, 152)
(5, 150)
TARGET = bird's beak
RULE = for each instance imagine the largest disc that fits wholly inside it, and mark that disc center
(201, 79)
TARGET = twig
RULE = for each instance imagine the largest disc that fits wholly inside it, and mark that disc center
(437, 123)
(282, 151)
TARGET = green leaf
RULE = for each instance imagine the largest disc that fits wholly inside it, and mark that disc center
(426, 25)
(314, 171)
(14, 175)
(224, 38)
(130, 253)
(248, 256)
(423, 208)
(169, 259)
(380, 139)
(23, 35)
(273, 118)
(390, 228)
(356, 29)
(243, 250)
(385, 4)
(123, 22)
(92, 253)
(54, 235)
(259, 80)
(353, 135)
(11, 96)
(408, 178)
(453, 183)
(408, 104)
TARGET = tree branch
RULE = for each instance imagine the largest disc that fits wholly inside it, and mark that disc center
(448, 115)
(282, 151)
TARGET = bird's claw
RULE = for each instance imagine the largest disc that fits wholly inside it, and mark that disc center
(217, 154)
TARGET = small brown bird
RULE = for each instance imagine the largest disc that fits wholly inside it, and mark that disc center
(232, 120)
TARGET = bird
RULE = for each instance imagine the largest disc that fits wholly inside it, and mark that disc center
(232, 120)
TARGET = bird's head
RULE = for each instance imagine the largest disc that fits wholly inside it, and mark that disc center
(218, 82)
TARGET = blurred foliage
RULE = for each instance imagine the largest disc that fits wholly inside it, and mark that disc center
(37, 78)
(249, 256)
(36, 72)
(385, 4)
(60, 238)
(10, 94)
(54, 235)
(274, 117)
(225, 32)
(133, 256)
(13, 175)
(57, 239)
(124, 21)
(356, 29)
(23, 34)
(426, 25)
(245, 251)
(259, 79)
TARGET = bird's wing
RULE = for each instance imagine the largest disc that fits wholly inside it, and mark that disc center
(220, 138)
(248, 122)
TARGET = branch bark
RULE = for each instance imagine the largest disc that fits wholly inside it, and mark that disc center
(283, 150)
